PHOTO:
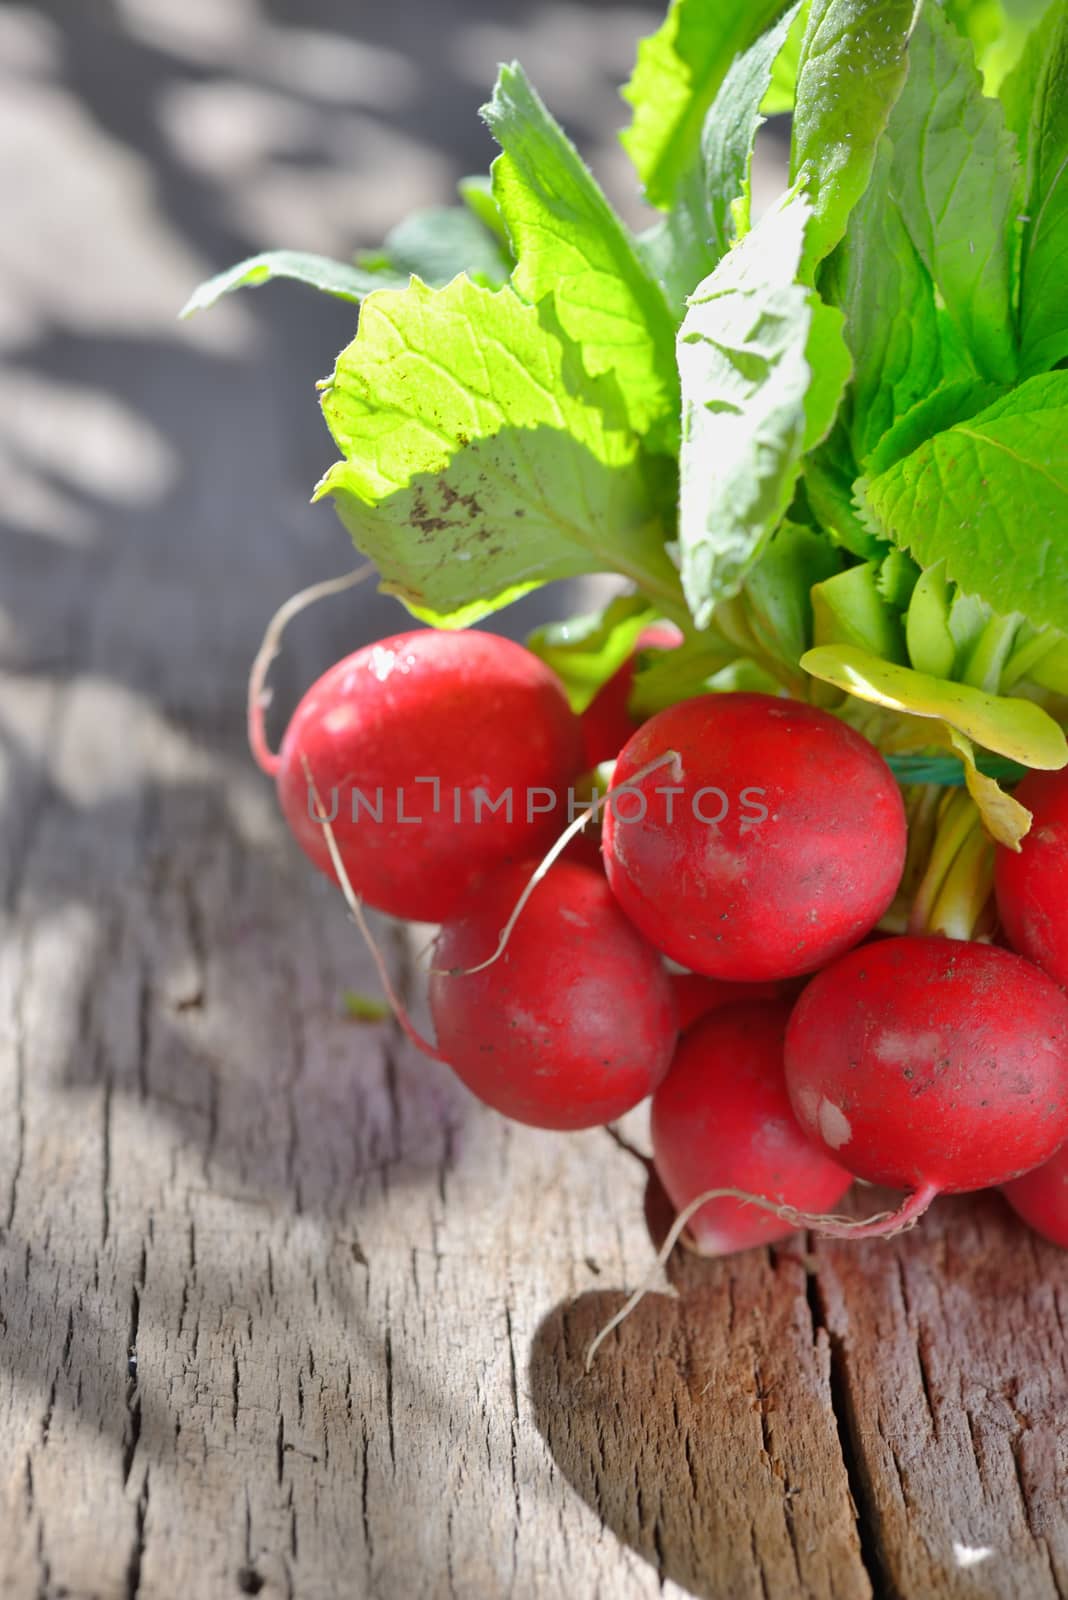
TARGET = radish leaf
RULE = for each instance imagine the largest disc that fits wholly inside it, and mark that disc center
(849, 609)
(853, 64)
(730, 132)
(1014, 728)
(945, 406)
(778, 591)
(763, 365)
(675, 79)
(569, 243)
(319, 272)
(1036, 106)
(712, 204)
(888, 298)
(436, 245)
(990, 497)
(954, 177)
(585, 651)
(782, 89)
(482, 460)
(829, 475)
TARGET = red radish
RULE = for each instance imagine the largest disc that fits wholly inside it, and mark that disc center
(778, 847)
(1041, 1198)
(411, 742)
(1031, 884)
(575, 1023)
(697, 996)
(607, 723)
(722, 1119)
(932, 1065)
(585, 848)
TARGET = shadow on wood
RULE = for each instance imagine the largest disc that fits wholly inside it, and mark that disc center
(731, 1435)
(704, 1436)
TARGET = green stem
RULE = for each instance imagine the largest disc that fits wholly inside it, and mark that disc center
(921, 808)
(730, 617)
(954, 825)
(954, 893)
(1027, 656)
(963, 898)
(986, 664)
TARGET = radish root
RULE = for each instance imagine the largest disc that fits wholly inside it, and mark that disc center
(572, 831)
(883, 1225)
(259, 696)
(352, 900)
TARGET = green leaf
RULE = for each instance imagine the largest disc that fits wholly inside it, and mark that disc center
(1036, 106)
(668, 676)
(437, 244)
(981, 21)
(830, 367)
(990, 498)
(319, 272)
(675, 79)
(931, 646)
(968, 616)
(897, 578)
(947, 405)
(570, 244)
(989, 653)
(476, 192)
(778, 590)
(676, 249)
(585, 651)
(783, 86)
(1033, 651)
(730, 132)
(998, 30)
(711, 204)
(1050, 670)
(852, 68)
(954, 178)
(958, 363)
(849, 609)
(763, 364)
(886, 293)
(1004, 818)
(1014, 728)
(829, 475)
(482, 460)
(743, 677)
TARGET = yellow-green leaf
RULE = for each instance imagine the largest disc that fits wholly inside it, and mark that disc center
(1011, 727)
(1004, 818)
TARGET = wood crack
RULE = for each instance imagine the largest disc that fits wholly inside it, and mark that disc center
(852, 1454)
(137, 1551)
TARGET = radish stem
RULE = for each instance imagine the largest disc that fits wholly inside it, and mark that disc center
(883, 1225)
(400, 1011)
(572, 830)
(259, 696)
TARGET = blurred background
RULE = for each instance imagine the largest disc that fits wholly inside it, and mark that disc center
(147, 464)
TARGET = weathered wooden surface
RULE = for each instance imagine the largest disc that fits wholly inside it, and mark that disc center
(282, 1311)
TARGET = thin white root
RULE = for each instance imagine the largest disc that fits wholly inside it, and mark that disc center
(352, 900)
(572, 831)
(259, 696)
(829, 1224)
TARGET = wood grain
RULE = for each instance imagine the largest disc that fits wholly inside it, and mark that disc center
(953, 1388)
(282, 1311)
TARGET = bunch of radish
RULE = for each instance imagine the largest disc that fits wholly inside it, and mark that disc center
(722, 952)
(819, 918)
